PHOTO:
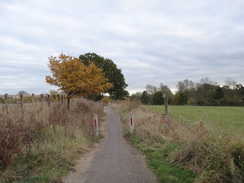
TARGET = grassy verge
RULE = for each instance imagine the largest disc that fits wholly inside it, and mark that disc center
(51, 161)
(159, 161)
(41, 143)
(189, 151)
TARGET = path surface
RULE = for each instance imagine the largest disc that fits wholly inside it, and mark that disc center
(114, 161)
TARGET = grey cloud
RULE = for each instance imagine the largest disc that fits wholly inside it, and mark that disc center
(151, 41)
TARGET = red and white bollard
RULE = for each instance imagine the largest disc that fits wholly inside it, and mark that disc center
(131, 124)
(95, 125)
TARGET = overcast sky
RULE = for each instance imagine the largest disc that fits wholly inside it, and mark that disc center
(152, 41)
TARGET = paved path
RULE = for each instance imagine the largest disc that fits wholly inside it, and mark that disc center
(115, 161)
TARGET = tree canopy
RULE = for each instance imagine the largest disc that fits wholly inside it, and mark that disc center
(75, 78)
(114, 75)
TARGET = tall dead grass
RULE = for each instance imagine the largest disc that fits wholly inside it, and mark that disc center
(40, 128)
(215, 157)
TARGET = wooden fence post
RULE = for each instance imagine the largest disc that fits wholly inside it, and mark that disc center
(41, 98)
(21, 102)
(6, 102)
(166, 115)
(131, 124)
(33, 98)
(95, 125)
(49, 100)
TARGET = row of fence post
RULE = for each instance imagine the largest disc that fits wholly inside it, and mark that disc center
(61, 98)
(7, 99)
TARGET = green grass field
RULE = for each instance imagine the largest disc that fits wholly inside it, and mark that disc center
(223, 119)
(189, 153)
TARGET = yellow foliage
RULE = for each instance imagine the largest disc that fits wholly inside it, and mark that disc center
(75, 78)
(106, 100)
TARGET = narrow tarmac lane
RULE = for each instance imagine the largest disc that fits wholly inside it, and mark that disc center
(115, 161)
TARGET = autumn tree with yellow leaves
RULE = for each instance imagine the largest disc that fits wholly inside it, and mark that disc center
(75, 78)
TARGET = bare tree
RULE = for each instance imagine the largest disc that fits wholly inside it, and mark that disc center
(151, 89)
(231, 83)
(24, 93)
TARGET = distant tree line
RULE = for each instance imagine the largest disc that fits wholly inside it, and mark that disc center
(153, 95)
(204, 93)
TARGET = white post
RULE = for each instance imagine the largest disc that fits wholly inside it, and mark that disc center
(131, 124)
(95, 125)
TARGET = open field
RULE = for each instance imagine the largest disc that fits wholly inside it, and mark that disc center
(223, 119)
(203, 144)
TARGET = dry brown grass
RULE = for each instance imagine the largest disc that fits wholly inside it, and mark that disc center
(215, 157)
(40, 128)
